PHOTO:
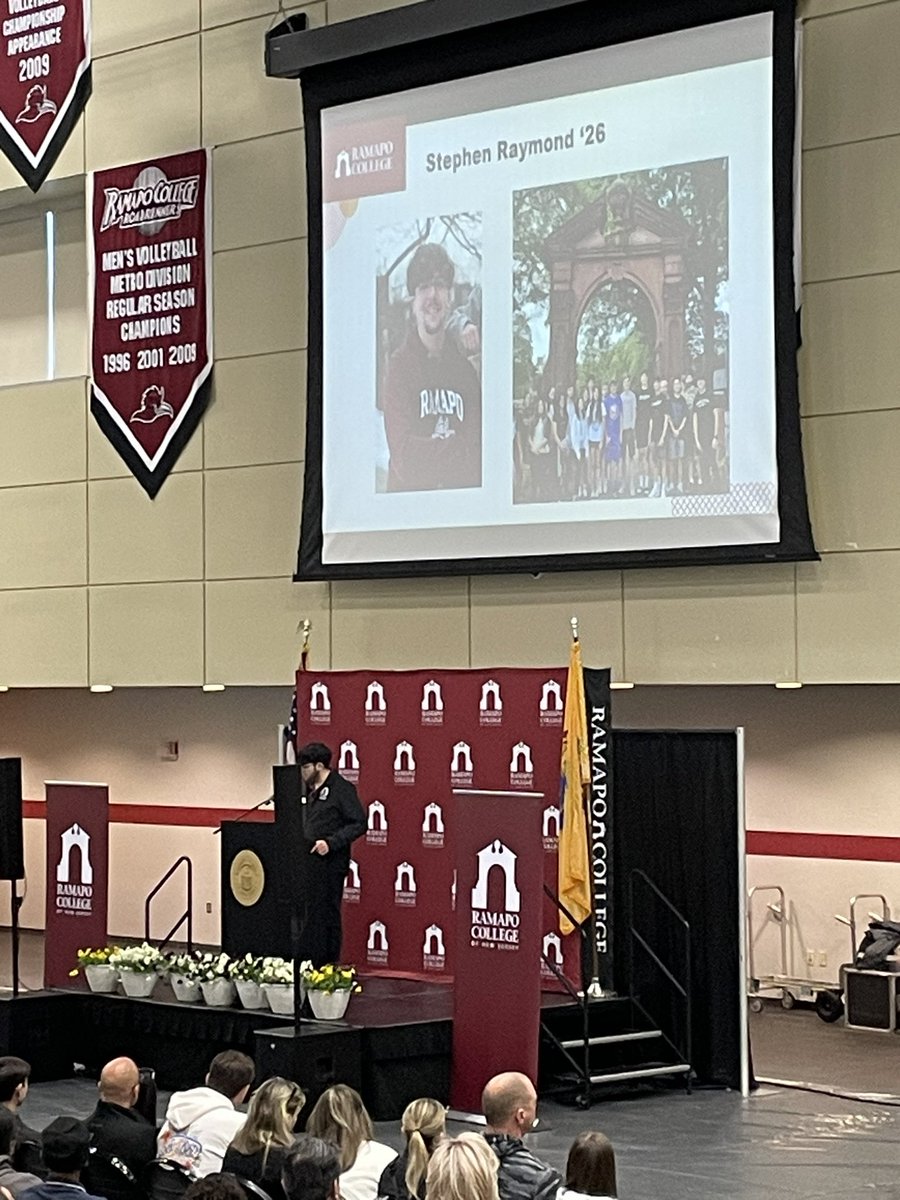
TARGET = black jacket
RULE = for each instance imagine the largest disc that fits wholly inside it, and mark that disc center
(250, 1166)
(125, 1134)
(521, 1175)
(334, 813)
(27, 1154)
(393, 1180)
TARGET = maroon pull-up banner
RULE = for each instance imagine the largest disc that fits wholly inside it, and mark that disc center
(77, 875)
(150, 264)
(45, 80)
(499, 899)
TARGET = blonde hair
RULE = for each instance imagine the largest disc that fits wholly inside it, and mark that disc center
(462, 1168)
(271, 1117)
(339, 1116)
(423, 1122)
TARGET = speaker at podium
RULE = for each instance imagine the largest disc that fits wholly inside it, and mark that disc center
(263, 874)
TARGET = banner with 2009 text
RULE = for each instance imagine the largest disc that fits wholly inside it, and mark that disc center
(45, 80)
(150, 263)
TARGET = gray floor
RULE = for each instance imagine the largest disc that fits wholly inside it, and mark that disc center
(780, 1144)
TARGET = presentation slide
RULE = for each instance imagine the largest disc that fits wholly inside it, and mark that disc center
(548, 308)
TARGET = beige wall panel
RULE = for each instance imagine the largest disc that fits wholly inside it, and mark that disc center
(521, 621)
(851, 82)
(119, 26)
(252, 629)
(846, 626)
(105, 463)
(44, 438)
(710, 624)
(239, 100)
(821, 8)
(252, 522)
(23, 301)
(70, 295)
(147, 634)
(850, 224)
(258, 412)
(395, 624)
(43, 638)
(344, 10)
(224, 12)
(259, 191)
(260, 299)
(851, 352)
(133, 539)
(852, 480)
(146, 103)
(43, 536)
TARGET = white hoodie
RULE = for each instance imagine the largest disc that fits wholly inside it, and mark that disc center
(199, 1126)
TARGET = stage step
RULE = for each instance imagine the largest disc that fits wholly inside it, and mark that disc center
(640, 1035)
(643, 1073)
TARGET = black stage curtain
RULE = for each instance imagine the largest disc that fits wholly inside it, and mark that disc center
(677, 820)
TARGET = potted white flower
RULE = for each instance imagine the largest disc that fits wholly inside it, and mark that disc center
(100, 975)
(212, 971)
(138, 968)
(246, 973)
(183, 970)
(277, 978)
(329, 989)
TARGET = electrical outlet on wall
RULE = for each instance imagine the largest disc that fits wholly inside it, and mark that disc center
(208, 906)
(810, 957)
(823, 958)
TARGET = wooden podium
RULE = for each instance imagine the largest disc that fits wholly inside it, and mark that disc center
(499, 903)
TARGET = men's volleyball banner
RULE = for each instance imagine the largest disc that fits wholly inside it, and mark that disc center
(150, 259)
(45, 80)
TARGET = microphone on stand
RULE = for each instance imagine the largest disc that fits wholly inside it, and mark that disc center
(247, 812)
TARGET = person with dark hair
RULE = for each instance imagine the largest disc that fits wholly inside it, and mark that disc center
(118, 1130)
(12, 1180)
(65, 1147)
(432, 395)
(590, 1169)
(202, 1121)
(509, 1105)
(218, 1185)
(14, 1076)
(333, 820)
(311, 1170)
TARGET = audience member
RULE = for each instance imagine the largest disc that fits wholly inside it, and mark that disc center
(65, 1146)
(117, 1129)
(11, 1180)
(202, 1121)
(216, 1186)
(312, 1170)
(462, 1168)
(590, 1169)
(339, 1116)
(259, 1148)
(509, 1104)
(422, 1124)
(14, 1076)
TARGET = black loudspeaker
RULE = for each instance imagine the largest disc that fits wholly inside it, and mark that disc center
(12, 855)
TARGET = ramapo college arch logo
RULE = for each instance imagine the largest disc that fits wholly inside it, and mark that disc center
(495, 929)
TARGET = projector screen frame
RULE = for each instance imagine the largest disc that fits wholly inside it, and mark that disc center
(404, 60)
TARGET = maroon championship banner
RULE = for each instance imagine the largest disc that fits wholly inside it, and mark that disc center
(406, 739)
(77, 875)
(150, 264)
(497, 1013)
(45, 80)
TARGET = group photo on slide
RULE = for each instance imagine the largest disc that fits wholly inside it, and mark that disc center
(620, 336)
(428, 321)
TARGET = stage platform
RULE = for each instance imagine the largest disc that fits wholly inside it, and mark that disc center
(393, 1046)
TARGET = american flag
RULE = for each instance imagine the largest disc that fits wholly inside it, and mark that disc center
(290, 730)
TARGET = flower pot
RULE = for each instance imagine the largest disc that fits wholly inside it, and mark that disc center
(280, 997)
(218, 993)
(101, 977)
(250, 994)
(138, 983)
(187, 991)
(329, 1006)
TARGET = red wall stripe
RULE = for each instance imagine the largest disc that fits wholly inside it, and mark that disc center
(759, 842)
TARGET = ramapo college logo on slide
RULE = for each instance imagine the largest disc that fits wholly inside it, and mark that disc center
(74, 895)
(363, 159)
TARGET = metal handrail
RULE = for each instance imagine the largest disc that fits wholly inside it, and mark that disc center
(186, 917)
(682, 987)
(581, 998)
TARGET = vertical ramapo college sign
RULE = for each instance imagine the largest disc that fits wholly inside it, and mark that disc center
(45, 80)
(149, 257)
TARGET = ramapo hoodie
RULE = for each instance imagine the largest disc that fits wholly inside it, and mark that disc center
(200, 1123)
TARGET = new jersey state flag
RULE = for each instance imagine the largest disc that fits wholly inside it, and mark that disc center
(574, 861)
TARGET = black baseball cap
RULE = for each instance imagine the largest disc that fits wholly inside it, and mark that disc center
(65, 1143)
